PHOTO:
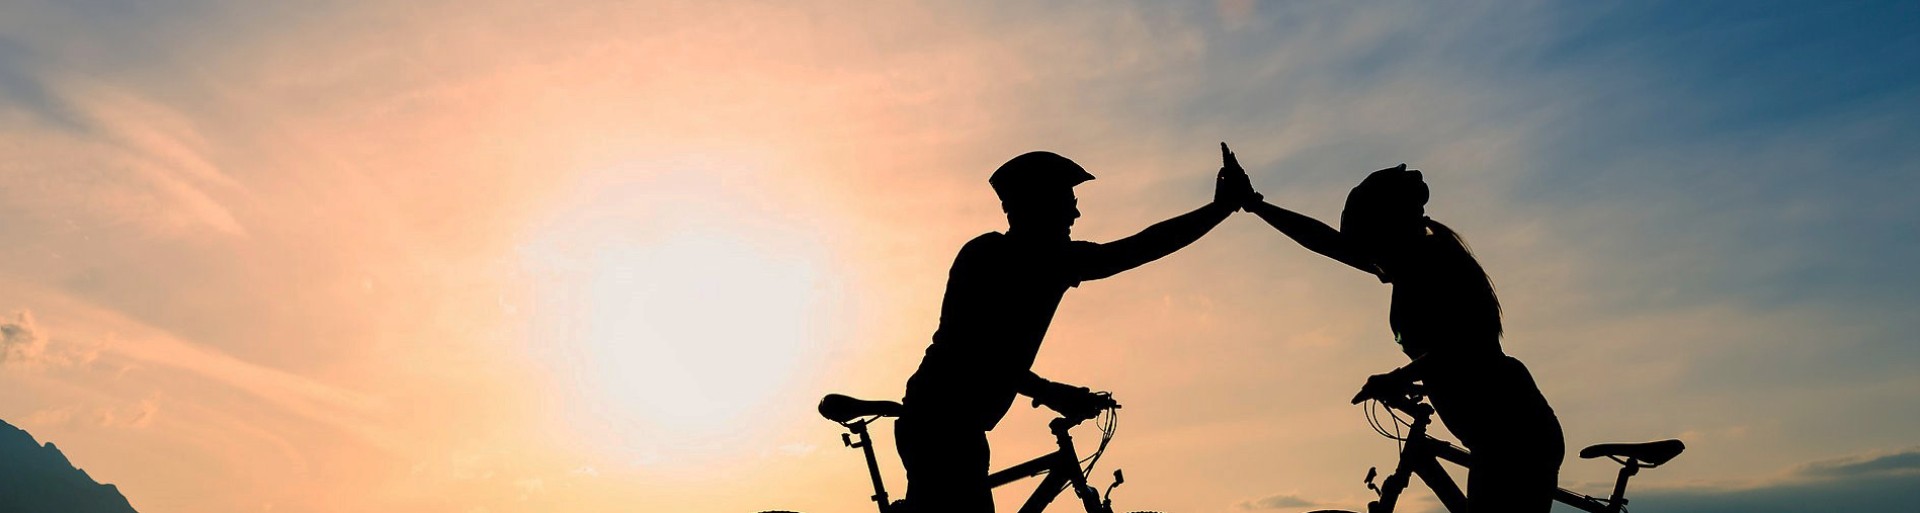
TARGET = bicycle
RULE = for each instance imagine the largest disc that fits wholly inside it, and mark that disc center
(1063, 467)
(1420, 455)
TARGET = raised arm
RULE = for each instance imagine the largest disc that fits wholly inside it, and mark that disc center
(1156, 241)
(1311, 234)
(1231, 189)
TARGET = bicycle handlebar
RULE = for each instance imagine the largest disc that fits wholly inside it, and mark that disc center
(1410, 398)
(1081, 408)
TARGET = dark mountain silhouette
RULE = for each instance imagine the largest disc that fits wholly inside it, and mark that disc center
(37, 478)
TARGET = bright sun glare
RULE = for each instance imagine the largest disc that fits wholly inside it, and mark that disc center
(693, 331)
(681, 314)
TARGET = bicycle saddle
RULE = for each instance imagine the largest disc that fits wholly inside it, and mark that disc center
(1649, 453)
(840, 408)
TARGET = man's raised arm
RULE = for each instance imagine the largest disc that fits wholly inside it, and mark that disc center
(1231, 189)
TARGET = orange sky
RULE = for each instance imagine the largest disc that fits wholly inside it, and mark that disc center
(474, 256)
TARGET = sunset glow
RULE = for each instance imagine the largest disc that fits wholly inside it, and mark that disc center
(490, 256)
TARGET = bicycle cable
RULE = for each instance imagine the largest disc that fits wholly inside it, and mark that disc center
(1109, 422)
(1373, 420)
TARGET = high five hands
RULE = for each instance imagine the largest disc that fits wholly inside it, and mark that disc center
(1232, 187)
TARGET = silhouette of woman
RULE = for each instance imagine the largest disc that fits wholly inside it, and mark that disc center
(1446, 318)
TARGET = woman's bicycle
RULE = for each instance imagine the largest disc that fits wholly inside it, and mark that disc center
(1420, 456)
(1064, 468)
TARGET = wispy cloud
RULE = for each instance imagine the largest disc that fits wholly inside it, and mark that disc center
(20, 340)
(24, 345)
(1877, 481)
(1282, 501)
(1904, 462)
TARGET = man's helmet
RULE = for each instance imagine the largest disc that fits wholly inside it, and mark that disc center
(1036, 172)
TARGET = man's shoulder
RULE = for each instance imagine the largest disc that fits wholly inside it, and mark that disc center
(997, 243)
(987, 242)
(984, 248)
(988, 238)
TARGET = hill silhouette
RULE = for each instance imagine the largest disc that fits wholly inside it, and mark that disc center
(37, 478)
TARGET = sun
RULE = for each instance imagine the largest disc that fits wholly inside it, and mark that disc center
(676, 313)
(693, 332)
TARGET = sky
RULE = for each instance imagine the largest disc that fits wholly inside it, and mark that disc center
(488, 256)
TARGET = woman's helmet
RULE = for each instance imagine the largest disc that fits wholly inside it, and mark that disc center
(1385, 199)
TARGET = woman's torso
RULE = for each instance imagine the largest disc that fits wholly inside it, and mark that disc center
(1444, 309)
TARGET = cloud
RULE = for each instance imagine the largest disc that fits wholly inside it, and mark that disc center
(21, 89)
(1905, 462)
(137, 416)
(530, 486)
(50, 417)
(1885, 481)
(1280, 501)
(158, 157)
(1234, 13)
(24, 344)
(20, 340)
(797, 449)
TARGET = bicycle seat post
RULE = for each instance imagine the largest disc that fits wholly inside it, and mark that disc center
(865, 443)
(1619, 500)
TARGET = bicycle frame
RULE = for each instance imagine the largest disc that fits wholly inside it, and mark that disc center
(1420, 457)
(1422, 454)
(1062, 468)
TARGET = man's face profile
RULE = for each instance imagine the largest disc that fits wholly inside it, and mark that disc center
(1048, 210)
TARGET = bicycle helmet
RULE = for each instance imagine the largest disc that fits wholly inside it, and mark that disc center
(1036, 171)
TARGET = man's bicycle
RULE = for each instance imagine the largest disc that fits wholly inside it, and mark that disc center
(1064, 468)
(1420, 456)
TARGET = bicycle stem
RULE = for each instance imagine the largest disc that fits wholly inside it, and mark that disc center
(1402, 472)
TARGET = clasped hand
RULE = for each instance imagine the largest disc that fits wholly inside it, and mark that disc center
(1232, 187)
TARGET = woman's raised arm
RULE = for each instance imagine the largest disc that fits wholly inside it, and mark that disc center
(1313, 235)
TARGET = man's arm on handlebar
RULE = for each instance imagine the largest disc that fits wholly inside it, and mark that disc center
(1060, 397)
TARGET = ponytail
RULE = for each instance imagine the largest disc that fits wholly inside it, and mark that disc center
(1456, 260)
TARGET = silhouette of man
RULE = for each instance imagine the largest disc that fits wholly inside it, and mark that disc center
(1001, 296)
